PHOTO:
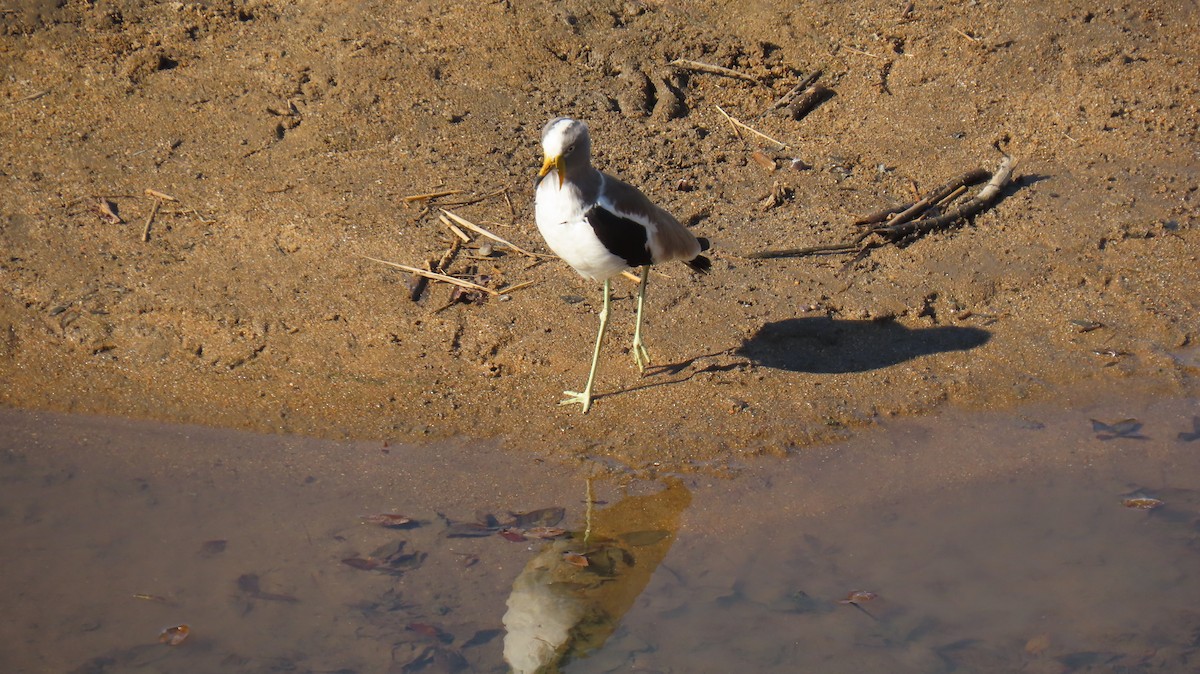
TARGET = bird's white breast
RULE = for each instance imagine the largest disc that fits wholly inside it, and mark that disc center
(560, 219)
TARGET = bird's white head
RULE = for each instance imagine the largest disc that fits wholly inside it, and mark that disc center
(566, 147)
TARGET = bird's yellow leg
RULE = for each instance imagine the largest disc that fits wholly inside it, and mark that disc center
(585, 398)
(641, 357)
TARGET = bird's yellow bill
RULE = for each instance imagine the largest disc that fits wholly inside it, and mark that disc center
(552, 163)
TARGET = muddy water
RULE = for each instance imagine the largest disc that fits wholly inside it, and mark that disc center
(977, 542)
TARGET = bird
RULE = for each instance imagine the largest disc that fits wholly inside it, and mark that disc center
(601, 227)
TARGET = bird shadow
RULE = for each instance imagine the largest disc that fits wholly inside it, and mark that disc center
(822, 345)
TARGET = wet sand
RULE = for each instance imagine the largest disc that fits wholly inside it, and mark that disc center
(992, 542)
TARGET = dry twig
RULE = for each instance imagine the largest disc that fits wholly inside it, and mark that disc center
(747, 127)
(479, 230)
(150, 220)
(686, 64)
(904, 226)
(429, 195)
(435, 276)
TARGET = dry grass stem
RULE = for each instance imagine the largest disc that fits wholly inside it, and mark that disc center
(454, 228)
(519, 286)
(434, 276)
(747, 127)
(852, 50)
(109, 210)
(159, 195)
(429, 195)
(686, 64)
(736, 131)
(150, 220)
(970, 37)
(483, 232)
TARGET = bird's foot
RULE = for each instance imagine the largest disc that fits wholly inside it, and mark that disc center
(641, 357)
(577, 398)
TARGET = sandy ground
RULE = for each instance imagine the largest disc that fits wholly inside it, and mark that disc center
(290, 134)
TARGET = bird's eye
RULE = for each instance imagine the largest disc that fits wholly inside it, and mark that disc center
(570, 149)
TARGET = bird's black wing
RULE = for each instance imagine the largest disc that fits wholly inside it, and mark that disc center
(625, 238)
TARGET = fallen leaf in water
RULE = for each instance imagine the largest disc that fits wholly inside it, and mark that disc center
(468, 530)
(250, 584)
(468, 559)
(362, 563)
(546, 517)
(1195, 432)
(575, 559)
(151, 597)
(858, 597)
(213, 547)
(546, 532)
(1038, 645)
(388, 520)
(1126, 428)
(431, 631)
(173, 636)
(1141, 503)
(510, 534)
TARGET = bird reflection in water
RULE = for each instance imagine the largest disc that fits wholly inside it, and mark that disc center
(570, 598)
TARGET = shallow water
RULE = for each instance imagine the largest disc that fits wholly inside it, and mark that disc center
(992, 542)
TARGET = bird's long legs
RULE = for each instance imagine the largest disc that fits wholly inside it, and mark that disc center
(641, 357)
(585, 398)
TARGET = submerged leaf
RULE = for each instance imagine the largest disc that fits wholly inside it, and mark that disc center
(173, 636)
(510, 534)
(1141, 503)
(468, 530)
(546, 532)
(361, 563)
(575, 559)
(431, 631)
(1126, 428)
(858, 597)
(545, 517)
(388, 520)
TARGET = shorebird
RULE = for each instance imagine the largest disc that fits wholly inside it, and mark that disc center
(602, 226)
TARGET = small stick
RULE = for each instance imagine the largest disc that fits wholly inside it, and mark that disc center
(159, 195)
(970, 208)
(881, 215)
(858, 51)
(517, 287)
(443, 264)
(429, 195)
(795, 91)
(912, 212)
(809, 100)
(108, 210)
(736, 131)
(632, 277)
(453, 228)
(433, 276)
(150, 220)
(474, 200)
(972, 38)
(479, 230)
(512, 212)
(782, 145)
(961, 190)
(31, 97)
(899, 231)
(685, 64)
